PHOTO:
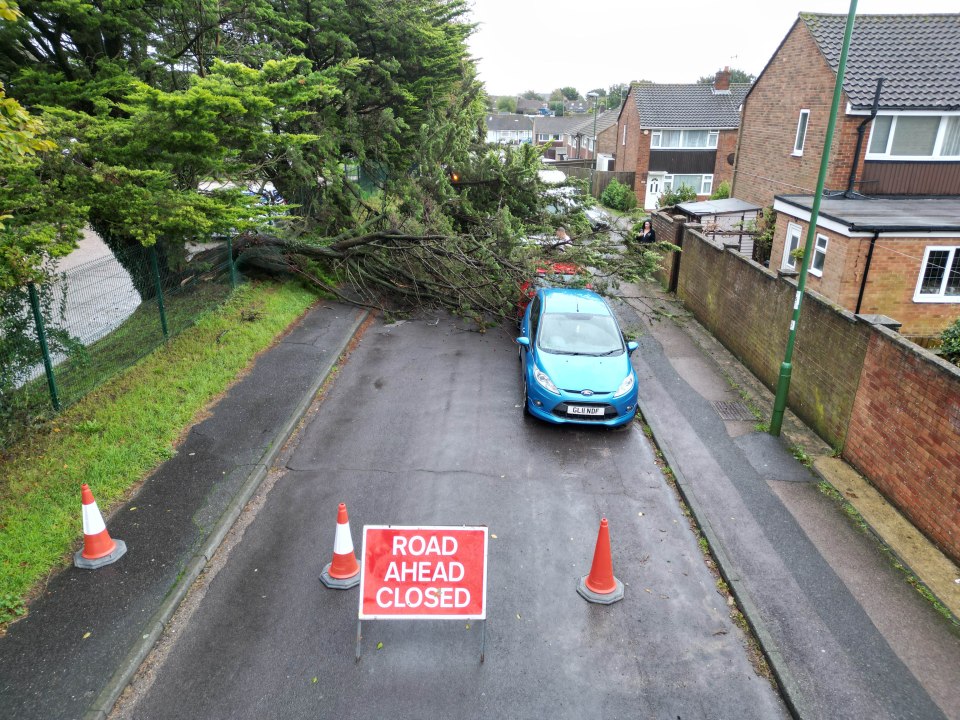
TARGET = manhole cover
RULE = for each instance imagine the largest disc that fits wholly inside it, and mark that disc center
(734, 411)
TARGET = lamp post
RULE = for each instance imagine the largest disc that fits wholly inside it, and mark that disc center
(595, 97)
(786, 368)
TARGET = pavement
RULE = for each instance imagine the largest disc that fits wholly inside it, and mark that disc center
(844, 632)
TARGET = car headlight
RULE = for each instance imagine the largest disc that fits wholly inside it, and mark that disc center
(625, 387)
(544, 381)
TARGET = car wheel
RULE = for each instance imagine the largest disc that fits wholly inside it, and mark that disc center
(525, 399)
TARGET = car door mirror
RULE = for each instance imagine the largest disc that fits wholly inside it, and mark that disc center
(632, 345)
(525, 341)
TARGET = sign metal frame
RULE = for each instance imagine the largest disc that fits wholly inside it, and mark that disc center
(433, 531)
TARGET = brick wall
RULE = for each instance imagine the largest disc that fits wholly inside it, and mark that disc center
(749, 309)
(726, 147)
(905, 435)
(629, 118)
(893, 407)
(796, 78)
(668, 229)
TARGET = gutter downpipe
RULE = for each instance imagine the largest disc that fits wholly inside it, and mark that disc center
(866, 271)
(861, 129)
(786, 368)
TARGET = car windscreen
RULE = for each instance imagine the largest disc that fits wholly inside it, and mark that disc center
(579, 334)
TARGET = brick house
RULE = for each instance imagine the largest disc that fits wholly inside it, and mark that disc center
(580, 140)
(679, 134)
(888, 238)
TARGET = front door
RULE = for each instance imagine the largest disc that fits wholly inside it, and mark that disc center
(654, 188)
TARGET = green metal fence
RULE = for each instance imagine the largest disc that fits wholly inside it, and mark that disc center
(60, 340)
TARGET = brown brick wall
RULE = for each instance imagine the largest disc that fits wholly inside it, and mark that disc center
(796, 78)
(726, 146)
(893, 407)
(905, 435)
(749, 310)
(630, 117)
(668, 229)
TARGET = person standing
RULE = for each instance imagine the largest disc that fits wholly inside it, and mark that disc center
(647, 234)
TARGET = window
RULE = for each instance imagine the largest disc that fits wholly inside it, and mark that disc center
(819, 255)
(914, 137)
(789, 262)
(624, 141)
(542, 137)
(939, 276)
(701, 184)
(801, 132)
(685, 139)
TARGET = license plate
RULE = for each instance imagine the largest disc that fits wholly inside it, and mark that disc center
(584, 410)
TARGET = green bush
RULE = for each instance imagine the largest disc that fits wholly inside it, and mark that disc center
(722, 192)
(619, 196)
(682, 194)
(950, 342)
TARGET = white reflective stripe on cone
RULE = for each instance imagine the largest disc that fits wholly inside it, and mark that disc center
(343, 543)
(92, 521)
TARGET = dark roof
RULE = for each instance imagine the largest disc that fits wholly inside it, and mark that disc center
(917, 55)
(563, 124)
(727, 206)
(885, 214)
(689, 106)
(584, 126)
(509, 122)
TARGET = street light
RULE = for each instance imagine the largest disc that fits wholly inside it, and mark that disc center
(595, 97)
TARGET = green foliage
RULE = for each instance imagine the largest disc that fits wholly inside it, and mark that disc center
(532, 95)
(557, 108)
(950, 342)
(121, 432)
(675, 196)
(722, 191)
(764, 228)
(618, 196)
(507, 104)
(570, 93)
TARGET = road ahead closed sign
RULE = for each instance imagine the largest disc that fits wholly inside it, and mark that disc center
(423, 572)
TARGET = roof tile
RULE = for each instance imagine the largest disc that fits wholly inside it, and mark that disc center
(689, 106)
(917, 55)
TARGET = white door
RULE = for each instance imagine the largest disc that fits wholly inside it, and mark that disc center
(654, 188)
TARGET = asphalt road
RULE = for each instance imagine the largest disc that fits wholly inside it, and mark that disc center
(423, 426)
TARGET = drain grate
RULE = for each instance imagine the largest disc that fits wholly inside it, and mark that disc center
(734, 411)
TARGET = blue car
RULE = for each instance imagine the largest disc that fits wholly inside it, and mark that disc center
(576, 364)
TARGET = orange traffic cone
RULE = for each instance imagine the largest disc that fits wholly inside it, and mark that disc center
(600, 586)
(343, 572)
(99, 548)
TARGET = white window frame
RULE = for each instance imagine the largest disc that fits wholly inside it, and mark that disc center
(801, 138)
(713, 137)
(819, 251)
(706, 183)
(953, 251)
(624, 140)
(788, 262)
(543, 137)
(937, 145)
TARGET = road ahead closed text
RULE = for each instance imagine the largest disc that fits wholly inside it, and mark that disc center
(426, 572)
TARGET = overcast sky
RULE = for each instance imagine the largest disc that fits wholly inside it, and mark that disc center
(524, 45)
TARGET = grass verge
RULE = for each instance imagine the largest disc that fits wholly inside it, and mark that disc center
(116, 435)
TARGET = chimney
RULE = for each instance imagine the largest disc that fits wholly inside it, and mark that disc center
(721, 83)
